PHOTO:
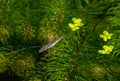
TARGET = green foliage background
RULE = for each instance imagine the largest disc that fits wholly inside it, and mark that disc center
(27, 25)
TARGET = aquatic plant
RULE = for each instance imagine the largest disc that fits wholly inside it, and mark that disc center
(107, 49)
(88, 50)
(76, 24)
(105, 35)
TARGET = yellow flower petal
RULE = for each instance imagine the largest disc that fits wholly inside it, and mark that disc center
(76, 21)
(109, 36)
(111, 47)
(105, 32)
(71, 25)
(105, 47)
(105, 39)
(101, 51)
(73, 19)
(101, 36)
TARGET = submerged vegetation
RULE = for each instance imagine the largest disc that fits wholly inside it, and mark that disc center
(88, 51)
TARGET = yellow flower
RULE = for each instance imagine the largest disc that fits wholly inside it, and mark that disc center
(71, 25)
(76, 21)
(76, 28)
(76, 24)
(105, 35)
(101, 51)
(106, 49)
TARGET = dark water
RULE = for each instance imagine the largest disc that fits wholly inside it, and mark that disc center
(7, 77)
